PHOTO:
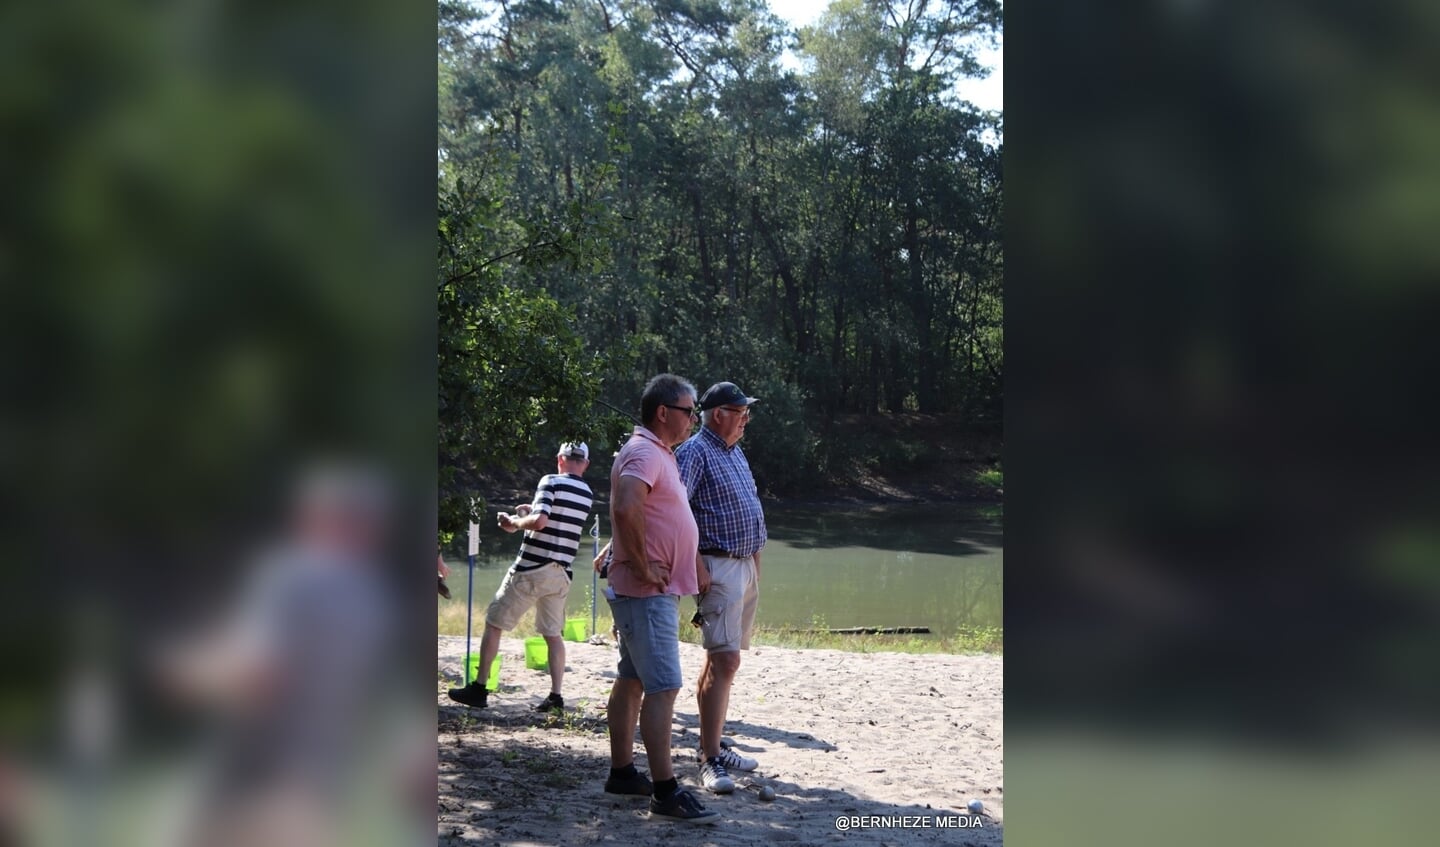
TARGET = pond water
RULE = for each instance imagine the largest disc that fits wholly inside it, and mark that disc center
(935, 565)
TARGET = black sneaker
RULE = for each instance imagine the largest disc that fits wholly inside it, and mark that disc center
(637, 784)
(683, 808)
(473, 694)
(554, 703)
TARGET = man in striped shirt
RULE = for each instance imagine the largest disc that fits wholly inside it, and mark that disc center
(540, 576)
(731, 524)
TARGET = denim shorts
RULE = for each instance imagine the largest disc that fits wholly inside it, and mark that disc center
(649, 640)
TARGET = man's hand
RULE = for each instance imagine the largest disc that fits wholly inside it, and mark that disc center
(702, 573)
(600, 558)
(525, 518)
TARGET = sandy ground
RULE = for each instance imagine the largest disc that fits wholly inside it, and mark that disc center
(895, 744)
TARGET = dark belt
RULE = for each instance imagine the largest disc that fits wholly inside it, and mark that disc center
(534, 567)
(715, 551)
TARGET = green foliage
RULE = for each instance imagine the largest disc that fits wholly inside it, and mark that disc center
(778, 444)
(993, 477)
(979, 639)
(511, 367)
(194, 232)
(829, 239)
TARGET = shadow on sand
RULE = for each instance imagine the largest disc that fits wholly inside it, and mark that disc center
(536, 786)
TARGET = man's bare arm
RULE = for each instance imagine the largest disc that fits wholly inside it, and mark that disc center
(627, 514)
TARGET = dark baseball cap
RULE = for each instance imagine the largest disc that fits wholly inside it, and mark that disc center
(724, 394)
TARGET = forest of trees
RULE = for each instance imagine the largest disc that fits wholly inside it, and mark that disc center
(634, 186)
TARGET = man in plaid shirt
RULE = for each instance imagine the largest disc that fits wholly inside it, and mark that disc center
(727, 511)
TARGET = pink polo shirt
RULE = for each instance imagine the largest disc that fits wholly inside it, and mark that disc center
(670, 533)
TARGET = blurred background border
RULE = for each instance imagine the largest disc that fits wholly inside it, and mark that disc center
(216, 270)
(1220, 534)
(215, 264)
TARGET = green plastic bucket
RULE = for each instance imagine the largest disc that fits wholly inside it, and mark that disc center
(472, 670)
(537, 655)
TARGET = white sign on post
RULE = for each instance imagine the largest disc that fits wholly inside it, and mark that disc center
(474, 539)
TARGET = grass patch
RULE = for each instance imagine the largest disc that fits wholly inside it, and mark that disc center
(451, 618)
(992, 477)
(966, 639)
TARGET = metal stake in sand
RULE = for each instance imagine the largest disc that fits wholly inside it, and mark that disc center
(594, 575)
(470, 601)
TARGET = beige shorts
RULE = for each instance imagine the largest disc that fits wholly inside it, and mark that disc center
(544, 588)
(729, 606)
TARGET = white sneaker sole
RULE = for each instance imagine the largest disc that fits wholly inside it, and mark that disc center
(713, 817)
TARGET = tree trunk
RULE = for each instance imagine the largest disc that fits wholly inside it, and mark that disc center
(707, 271)
(792, 285)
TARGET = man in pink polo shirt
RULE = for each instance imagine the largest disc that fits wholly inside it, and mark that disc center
(656, 561)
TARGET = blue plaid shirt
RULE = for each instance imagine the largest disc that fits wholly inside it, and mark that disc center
(722, 494)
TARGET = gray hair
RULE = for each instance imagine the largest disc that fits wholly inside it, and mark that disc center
(662, 390)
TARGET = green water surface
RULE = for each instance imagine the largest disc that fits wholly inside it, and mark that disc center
(935, 565)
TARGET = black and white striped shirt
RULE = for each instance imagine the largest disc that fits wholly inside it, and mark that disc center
(566, 499)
